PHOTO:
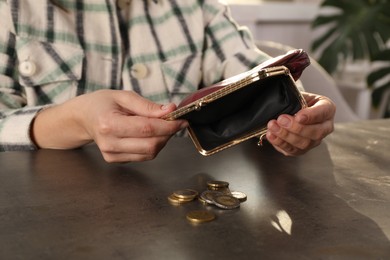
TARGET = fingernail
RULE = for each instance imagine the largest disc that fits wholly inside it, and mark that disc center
(273, 127)
(270, 136)
(284, 121)
(302, 119)
(165, 107)
(184, 125)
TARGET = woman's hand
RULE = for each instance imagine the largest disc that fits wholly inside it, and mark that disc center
(295, 135)
(125, 126)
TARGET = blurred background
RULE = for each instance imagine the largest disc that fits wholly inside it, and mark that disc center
(348, 38)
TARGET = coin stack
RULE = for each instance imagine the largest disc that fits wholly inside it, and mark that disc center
(182, 196)
(217, 194)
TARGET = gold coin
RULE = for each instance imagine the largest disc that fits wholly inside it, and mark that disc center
(186, 194)
(173, 199)
(202, 200)
(239, 195)
(226, 202)
(217, 184)
(176, 200)
(224, 190)
(200, 216)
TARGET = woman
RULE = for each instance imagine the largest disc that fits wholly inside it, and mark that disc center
(75, 72)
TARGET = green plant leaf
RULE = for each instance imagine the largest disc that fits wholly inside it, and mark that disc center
(358, 46)
(334, 3)
(375, 46)
(382, 56)
(358, 30)
(329, 59)
(377, 75)
(378, 93)
(322, 20)
(320, 41)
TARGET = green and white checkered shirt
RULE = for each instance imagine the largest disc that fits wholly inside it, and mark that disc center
(162, 49)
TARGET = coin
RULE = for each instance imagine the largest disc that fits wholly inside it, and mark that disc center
(186, 194)
(202, 200)
(217, 184)
(208, 196)
(224, 190)
(175, 200)
(200, 216)
(239, 195)
(226, 202)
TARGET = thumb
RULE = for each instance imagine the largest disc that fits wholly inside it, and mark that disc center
(319, 110)
(141, 106)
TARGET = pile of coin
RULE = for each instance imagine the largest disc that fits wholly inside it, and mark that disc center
(182, 196)
(217, 194)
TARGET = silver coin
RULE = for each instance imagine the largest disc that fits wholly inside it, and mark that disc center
(226, 202)
(239, 195)
(208, 196)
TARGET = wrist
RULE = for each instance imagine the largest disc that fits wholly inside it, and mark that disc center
(58, 127)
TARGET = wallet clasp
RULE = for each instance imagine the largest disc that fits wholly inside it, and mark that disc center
(273, 71)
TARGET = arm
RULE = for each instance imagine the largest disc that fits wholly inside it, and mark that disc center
(15, 118)
(229, 48)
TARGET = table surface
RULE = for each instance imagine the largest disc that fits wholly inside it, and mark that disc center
(331, 203)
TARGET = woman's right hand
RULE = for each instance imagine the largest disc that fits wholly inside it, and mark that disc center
(125, 126)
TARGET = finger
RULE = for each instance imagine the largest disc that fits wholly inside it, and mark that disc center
(123, 126)
(150, 127)
(283, 147)
(125, 157)
(303, 140)
(319, 109)
(132, 149)
(145, 146)
(294, 128)
(139, 105)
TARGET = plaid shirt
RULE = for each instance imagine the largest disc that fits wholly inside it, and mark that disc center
(162, 49)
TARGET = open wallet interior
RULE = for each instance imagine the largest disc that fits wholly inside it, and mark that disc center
(239, 108)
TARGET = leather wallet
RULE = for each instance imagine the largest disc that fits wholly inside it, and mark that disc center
(239, 108)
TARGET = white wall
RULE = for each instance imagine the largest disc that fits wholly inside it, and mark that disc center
(287, 22)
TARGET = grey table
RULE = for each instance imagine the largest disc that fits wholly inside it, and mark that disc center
(332, 203)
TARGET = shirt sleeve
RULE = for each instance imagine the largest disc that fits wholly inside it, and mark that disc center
(15, 118)
(230, 49)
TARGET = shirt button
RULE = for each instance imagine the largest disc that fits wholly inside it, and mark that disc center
(27, 68)
(139, 71)
(122, 4)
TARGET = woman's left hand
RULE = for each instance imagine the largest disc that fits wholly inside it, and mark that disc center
(297, 134)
